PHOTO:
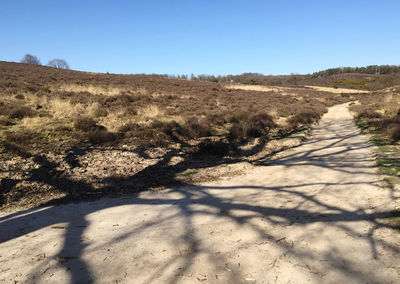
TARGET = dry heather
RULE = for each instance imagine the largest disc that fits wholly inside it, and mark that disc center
(53, 124)
(381, 111)
(35, 96)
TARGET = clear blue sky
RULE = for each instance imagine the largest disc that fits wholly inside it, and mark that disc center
(204, 36)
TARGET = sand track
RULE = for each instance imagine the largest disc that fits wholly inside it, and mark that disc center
(313, 214)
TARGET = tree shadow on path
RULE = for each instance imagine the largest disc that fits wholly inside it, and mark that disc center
(344, 157)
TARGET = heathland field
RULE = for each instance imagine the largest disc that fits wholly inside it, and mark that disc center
(104, 130)
(69, 135)
(217, 180)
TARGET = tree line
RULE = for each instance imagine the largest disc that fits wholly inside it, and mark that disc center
(371, 69)
(56, 62)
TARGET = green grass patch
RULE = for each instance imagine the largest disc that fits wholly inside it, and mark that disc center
(395, 220)
(186, 173)
(387, 162)
(352, 83)
(389, 166)
(386, 159)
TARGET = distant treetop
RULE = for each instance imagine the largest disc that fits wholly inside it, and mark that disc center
(30, 59)
(58, 63)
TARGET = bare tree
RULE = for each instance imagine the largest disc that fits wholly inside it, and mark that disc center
(58, 63)
(30, 59)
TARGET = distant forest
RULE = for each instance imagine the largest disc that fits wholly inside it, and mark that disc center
(371, 69)
(293, 79)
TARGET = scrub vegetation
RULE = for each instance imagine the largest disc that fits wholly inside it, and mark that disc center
(93, 128)
(378, 115)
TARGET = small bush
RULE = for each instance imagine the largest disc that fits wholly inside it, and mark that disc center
(303, 118)
(20, 112)
(84, 123)
(31, 88)
(129, 127)
(120, 100)
(238, 131)
(369, 113)
(215, 148)
(19, 137)
(216, 119)
(191, 129)
(262, 121)
(393, 131)
(47, 87)
(194, 129)
(100, 111)
(151, 137)
(100, 136)
(238, 117)
(256, 126)
(5, 121)
(382, 123)
(83, 98)
(170, 128)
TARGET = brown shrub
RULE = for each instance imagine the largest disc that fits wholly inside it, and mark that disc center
(20, 97)
(99, 136)
(238, 131)
(158, 134)
(129, 127)
(19, 137)
(100, 111)
(84, 123)
(307, 117)
(393, 131)
(262, 121)
(216, 119)
(381, 123)
(80, 98)
(368, 113)
(193, 128)
(215, 148)
(171, 128)
(20, 112)
(256, 126)
(5, 121)
(120, 100)
(151, 137)
(238, 117)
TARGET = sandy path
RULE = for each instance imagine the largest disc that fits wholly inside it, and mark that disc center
(337, 90)
(312, 215)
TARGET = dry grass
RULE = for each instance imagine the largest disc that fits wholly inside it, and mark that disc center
(91, 89)
(64, 109)
(149, 112)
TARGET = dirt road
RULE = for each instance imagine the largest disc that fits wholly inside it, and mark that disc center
(314, 214)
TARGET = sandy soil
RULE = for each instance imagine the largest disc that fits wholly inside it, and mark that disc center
(260, 88)
(284, 90)
(313, 214)
(337, 90)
